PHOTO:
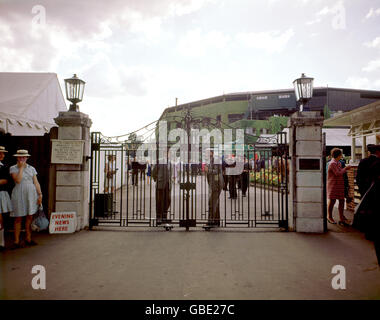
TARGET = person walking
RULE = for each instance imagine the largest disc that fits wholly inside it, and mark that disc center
(244, 177)
(5, 200)
(335, 186)
(26, 197)
(232, 178)
(161, 176)
(135, 171)
(225, 177)
(215, 185)
(149, 172)
(110, 171)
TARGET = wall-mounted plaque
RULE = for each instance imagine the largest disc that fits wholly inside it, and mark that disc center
(67, 151)
(309, 164)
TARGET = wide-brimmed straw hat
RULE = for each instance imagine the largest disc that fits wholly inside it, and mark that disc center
(22, 153)
(2, 149)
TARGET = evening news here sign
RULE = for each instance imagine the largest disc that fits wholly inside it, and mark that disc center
(63, 222)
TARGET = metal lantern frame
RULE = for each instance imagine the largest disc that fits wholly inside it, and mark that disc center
(303, 88)
(74, 91)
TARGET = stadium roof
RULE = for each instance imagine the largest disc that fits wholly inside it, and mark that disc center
(247, 95)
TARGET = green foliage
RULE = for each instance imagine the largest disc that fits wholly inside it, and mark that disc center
(255, 124)
(277, 124)
(327, 112)
(273, 124)
(210, 110)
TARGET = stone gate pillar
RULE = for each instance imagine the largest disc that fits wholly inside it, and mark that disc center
(72, 180)
(306, 172)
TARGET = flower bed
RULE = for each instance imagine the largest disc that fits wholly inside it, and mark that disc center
(265, 177)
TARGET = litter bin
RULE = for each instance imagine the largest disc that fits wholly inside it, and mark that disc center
(103, 204)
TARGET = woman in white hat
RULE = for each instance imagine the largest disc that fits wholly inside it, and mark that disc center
(26, 196)
(5, 200)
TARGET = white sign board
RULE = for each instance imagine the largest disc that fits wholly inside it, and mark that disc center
(67, 151)
(63, 222)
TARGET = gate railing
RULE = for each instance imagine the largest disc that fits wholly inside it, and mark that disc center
(124, 192)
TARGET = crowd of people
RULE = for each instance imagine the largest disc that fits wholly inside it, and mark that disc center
(218, 175)
(20, 196)
(367, 213)
(20, 191)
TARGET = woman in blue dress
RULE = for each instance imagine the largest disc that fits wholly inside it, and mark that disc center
(149, 172)
(26, 196)
(5, 200)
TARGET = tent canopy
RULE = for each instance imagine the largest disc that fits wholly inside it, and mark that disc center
(29, 102)
(364, 121)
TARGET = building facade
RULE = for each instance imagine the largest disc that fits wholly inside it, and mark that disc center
(261, 105)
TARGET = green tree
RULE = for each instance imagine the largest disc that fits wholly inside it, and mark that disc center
(277, 124)
(327, 112)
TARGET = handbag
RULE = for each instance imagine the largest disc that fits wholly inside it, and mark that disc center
(40, 222)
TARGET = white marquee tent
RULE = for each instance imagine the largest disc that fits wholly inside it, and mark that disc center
(29, 102)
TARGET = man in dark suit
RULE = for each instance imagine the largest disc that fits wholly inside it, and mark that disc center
(374, 195)
(364, 176)
(161, 176)
(244, 177)
(363, 180)
(215, 185)
(142, 169)
(225, 177)
(135, 171)
(367, 218)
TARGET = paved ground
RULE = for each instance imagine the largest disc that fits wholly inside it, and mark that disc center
(154, 264)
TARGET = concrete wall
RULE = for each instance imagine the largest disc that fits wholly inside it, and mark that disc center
(72, 180)
(306, 183)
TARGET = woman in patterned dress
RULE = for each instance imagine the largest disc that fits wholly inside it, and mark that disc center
(26, 196)
(335, 186)
(5, 200)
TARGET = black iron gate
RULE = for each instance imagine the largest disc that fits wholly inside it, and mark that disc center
(127, 193)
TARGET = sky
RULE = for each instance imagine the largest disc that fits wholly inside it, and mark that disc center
(138, 56)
